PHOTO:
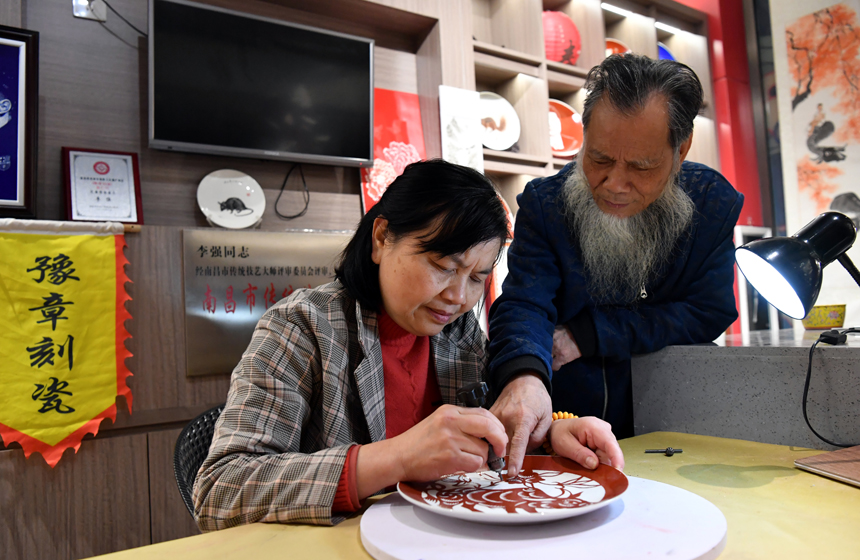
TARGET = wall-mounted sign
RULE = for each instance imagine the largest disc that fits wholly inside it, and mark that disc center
(232, 277)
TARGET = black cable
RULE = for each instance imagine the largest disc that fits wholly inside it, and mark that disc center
(119, 15)
(830, 337)
(306, 196)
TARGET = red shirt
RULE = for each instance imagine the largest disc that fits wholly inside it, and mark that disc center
(411, 395)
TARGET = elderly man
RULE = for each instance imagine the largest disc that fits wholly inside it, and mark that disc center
(625, 251)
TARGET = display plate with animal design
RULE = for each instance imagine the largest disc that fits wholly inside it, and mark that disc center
(500, 124)
(546, 489)
(231, 199)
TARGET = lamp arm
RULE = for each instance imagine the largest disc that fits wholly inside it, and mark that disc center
(849, 266)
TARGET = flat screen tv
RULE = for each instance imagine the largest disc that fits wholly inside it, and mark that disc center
(227, 83)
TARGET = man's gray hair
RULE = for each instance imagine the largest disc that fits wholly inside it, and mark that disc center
(628, 82)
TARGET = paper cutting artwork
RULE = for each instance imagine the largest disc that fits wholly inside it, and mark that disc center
(529, 493)
(398, 140)
(461, 130)
(62, 314)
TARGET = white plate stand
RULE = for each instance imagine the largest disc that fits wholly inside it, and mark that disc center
(651, 520)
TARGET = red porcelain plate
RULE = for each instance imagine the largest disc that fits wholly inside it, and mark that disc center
(614, 46)
(565, 129)
(547, 489)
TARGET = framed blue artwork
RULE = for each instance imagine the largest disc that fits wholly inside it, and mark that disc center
(19, 82)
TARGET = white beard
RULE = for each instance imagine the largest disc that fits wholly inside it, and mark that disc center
(621, 254)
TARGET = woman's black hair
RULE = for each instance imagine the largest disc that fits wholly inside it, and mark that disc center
(460, 204)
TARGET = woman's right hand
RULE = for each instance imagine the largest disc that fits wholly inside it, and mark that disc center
(447, 441)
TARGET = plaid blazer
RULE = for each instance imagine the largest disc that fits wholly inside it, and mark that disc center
(309, 386)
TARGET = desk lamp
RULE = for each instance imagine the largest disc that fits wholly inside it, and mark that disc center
(787, 272)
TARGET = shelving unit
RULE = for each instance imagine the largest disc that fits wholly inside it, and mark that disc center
(509, 59)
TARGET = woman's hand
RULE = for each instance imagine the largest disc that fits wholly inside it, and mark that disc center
(447, 441)
(586, 441)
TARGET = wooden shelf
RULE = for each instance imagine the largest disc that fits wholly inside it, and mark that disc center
(566, 69)
(494, 70)
(502, 52)
(562, 80)
(558, 163)
(514, 157)
(509, 24)
(508, 168)
(509, 60)
(513, 163)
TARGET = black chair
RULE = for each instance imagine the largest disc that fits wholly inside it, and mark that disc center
(191, 449)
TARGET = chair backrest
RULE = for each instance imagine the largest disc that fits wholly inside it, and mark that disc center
(191, 449)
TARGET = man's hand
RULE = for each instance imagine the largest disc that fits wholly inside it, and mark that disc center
(564, 348)
(525, 408)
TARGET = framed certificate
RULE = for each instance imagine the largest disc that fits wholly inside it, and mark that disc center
(102, 186)
(19, 80)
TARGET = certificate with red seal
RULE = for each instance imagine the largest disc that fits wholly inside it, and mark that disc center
(102, 186)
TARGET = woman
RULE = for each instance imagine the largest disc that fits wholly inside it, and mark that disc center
(340, 393)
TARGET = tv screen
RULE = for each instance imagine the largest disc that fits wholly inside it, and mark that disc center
(227, 83)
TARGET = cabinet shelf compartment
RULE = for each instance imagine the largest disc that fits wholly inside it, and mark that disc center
(491, 69)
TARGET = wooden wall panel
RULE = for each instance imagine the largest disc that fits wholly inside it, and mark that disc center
(517, 25)
(528, 96)
(429, 80)
(170, 519)
(637, 32)
(158, 331)
(10, 13)
(396, 70)
(481, 21)
(455, 35)
(704, 148)
(589, 21)
(92, 502)
(692, 50)
(89, 89)
(93, 91)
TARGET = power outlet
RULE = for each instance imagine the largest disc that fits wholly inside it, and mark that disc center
(89, 9)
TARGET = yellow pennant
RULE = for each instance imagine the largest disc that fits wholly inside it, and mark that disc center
(62, 314)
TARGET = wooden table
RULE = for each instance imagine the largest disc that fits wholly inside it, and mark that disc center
(773, 509)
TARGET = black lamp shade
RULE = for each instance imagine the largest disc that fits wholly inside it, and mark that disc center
(787, 271)
(828, 236)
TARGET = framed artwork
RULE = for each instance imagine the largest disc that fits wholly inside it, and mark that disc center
(102, 186)
(19, 91)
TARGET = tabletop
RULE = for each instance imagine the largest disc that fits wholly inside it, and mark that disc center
(773, 509)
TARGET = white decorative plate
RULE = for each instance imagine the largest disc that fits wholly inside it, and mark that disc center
(547, 489)
(231, 199)
(500, 125)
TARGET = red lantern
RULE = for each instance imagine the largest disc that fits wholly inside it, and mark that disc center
(561, 38)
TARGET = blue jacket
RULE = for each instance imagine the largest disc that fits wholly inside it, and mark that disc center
(691, 300)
